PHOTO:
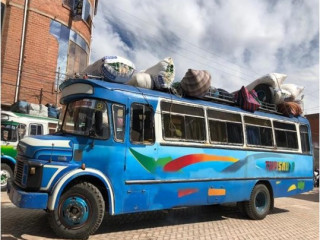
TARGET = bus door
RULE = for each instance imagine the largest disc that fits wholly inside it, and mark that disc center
(140, 157)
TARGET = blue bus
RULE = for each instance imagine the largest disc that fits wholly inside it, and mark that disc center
(122, 149)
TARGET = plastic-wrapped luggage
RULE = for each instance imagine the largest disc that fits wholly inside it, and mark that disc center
(142, 80)
(111, 68)
(272, 79)
(20, 107)
(162, 73)
(196, 83)
(38, 110)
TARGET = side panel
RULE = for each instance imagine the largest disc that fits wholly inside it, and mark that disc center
(183, 176)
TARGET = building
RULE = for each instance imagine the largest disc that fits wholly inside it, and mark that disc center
(43, 42)
(314, 123)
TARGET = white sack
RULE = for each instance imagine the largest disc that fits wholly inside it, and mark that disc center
(273, 79)
(142, 80)
(162, 73)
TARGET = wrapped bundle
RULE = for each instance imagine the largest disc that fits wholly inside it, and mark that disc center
(290, 109)
(111, 68)
(196, 83)
(142, 80)
(272, 79)
(162, 73)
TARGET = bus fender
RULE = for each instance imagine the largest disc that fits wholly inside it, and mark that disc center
(8, 159)
(67, 178)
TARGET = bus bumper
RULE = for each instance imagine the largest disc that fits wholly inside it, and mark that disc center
(22, 199)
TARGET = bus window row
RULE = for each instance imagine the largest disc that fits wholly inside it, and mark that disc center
(186, 123)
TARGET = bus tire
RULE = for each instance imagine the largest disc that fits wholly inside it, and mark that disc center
(259, 204)
(79, 213)
(6, 173)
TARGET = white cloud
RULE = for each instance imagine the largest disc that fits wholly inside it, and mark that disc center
(236, 41)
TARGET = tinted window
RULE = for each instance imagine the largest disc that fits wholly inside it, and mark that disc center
(183, 122)
(36, 129)
(225, 127)
(286, 135)
(304, 139)
(142, 124)
(118, 112)
(259, 131)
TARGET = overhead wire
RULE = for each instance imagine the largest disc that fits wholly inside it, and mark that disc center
(193, 45)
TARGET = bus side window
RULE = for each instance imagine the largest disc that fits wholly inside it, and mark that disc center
(142, 124)
(183, 122)
(225, 127)
(259, 131)
(36, 129)
(118, 112)
(305, 145)
(286, 135)
(21, 130)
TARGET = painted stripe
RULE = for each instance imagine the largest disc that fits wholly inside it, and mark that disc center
(184, 161)
(186, 192)
(60, 168)
(45, 143)
(128, 182)
(216, 192)
(53, 197)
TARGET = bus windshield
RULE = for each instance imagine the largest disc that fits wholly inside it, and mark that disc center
(88, 117)
(9, 132)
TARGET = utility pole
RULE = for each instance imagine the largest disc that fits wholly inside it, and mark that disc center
(41, 95)
(57, 87)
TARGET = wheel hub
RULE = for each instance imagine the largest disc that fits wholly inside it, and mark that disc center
(75, 211)
(5, 175)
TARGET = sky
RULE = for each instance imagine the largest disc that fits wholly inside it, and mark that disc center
(236, 41)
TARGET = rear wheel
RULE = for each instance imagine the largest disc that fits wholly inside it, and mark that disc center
(79, 213)
(6, 173)
(259, 204)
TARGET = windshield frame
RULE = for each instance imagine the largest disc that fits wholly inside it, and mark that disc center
(11, 132)
(106, 114)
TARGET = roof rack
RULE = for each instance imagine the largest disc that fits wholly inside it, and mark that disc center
(228, 98)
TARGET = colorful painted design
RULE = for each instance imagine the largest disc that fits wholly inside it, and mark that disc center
(216, 192)
(292, 187)
(187, 160)
(9, 150)
(169, 165)
(280, 166)
(301, 185)
(186, 192)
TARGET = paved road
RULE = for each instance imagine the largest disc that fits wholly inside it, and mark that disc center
(292, 218)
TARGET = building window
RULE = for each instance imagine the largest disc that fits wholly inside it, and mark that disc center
(81, 10)
(72, 54)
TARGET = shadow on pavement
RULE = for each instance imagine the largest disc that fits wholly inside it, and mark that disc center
(310, 196)
(17, 223)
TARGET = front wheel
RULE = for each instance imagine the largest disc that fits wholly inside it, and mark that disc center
(6, 173)
(79, 213)
(259, 204)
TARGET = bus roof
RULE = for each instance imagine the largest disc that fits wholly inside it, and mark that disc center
(22, 115)
(154, 94)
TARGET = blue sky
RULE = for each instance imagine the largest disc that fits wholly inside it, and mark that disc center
(236, 41)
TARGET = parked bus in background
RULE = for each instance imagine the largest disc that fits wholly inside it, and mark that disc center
(122, 149)
(15, 126)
